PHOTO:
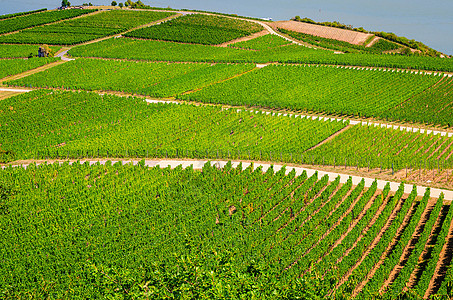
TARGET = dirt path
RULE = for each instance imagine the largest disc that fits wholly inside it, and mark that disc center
(7, 94)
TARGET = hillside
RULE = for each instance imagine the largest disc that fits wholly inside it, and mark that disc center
(161, 153)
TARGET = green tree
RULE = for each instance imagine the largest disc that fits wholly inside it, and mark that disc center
(120, 5)
(114, 3)
(65, 3)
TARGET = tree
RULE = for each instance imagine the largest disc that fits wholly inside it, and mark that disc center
(120, 5)
(114, 3)
(65, 3)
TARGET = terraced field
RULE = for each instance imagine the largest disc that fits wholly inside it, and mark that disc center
(294, 225)
(85, 29)
(115, 230)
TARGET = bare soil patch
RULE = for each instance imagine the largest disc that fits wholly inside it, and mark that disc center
(349, 36)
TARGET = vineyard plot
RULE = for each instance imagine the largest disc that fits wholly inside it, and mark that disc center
(170, 51)
(31, 20)
(85, 29)
(377, 147)
(198, 29)
(122, 218)
(21, 51)
(152, 79)
(66, 123)
(333, 90)
(9, 67)
(434, 106)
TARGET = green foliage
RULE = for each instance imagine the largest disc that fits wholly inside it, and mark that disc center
(434, 106)
(85, 29)
(264, 42)
(168, 51)
(386, 148)
(383, 45)
(14, 24)
(318, 88)
(67, 122)
(21, 14)
(22, 51)
(152, 79)
(9, 67)
(171, 234)
(198, 29)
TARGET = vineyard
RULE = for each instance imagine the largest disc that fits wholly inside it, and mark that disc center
(9, 67)
(21, 51)
(259, 220)
(9, 16)
(198, 29)
(169, 51)
(85, 29)
(152, 79)
(437, 104)
(266, 228)
(31, 20)
(321, 89)
(59, 123)
(268, 41)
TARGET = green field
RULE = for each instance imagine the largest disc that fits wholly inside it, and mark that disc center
(85, 29)
(317, 88)
(151, 79)
(79, 124)
(169, 51)
(21, 51)
(9, 67)
(234, 231)
(378, 147)
(27, 21)
(198, 29)
(267, 41)
(436, 104)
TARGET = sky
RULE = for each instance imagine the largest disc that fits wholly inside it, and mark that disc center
(430, 22)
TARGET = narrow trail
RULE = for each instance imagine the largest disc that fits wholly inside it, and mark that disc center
(198, 164)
